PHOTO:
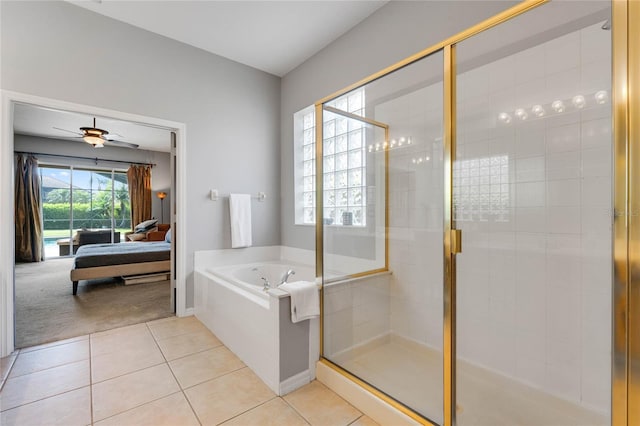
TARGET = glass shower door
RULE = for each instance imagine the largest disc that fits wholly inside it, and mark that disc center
(383, 226)
(532, 196)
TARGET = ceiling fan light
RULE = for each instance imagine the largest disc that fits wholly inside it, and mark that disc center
(94, 140)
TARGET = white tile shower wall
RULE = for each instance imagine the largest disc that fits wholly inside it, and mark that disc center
(416, 218)
(534, 287)
(356, 314)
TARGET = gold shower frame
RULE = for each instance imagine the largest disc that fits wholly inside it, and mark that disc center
(625, 376)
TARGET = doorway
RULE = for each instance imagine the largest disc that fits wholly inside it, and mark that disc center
(174, 206)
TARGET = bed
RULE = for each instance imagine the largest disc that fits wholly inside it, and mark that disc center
(114, 260)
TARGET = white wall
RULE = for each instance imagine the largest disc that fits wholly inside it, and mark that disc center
(60, 51)
(160, 174)
(394, 32)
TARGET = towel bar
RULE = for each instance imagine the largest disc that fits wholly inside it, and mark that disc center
(213, 194)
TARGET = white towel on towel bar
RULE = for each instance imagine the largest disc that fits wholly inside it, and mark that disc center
(240, 214)
(305, 301)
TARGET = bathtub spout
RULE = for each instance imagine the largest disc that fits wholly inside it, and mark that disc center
(286, 276)
(265, 284)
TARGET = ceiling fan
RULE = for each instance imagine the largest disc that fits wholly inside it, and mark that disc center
(98, 137)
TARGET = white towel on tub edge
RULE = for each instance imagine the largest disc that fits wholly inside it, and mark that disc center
(305, 301)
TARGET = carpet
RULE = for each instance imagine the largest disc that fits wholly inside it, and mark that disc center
(47, 311)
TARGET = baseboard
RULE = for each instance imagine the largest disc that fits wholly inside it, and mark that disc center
(294, 382)
(189, 312)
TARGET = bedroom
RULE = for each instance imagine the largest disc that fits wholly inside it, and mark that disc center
(76, 184)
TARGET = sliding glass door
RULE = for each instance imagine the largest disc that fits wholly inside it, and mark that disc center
(75, 199)
(56, 210)
(100, 200)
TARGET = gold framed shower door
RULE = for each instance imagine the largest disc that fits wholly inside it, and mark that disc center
(626, 213)
(625, 379)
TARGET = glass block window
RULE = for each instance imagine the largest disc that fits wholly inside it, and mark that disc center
(344, 174)
(481, 189)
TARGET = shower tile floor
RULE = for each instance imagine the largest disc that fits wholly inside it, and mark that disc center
(172, 371)
(485, 398)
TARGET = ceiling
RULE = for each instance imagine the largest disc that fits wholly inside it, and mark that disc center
(272, 36)
(38, 121)
(286, 51)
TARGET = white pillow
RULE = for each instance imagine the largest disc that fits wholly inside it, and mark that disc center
(167, 236)
(146, 225)
(136, 237)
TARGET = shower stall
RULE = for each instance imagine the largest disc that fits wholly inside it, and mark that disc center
(465, 232)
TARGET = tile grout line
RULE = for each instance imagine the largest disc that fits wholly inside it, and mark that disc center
(181, 389)
(13, 362)
(42, 399)
(184, 395)
(49, 396)
(15, 359)
(165, 361)
(44, 369)
(146, 368)
(89, 359)
(193, 353)
(358, 418)
(157, 340)
(167, 320)
(160, 349)
(138, 406)
(344, 400)
(138, 370)
(221, 345)
(213, 378)
(294, 409)
(53, 344)
(130, 372)
(249, 409)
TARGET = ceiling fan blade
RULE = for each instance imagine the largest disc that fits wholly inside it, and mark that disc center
(111, 136)
(121, 144)
(69, 131)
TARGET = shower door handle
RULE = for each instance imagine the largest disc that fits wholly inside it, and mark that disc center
(456, 241)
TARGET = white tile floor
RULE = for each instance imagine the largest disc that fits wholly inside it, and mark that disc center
(172, 371)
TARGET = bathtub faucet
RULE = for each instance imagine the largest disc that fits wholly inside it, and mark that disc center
(265, 284)
(286, 276)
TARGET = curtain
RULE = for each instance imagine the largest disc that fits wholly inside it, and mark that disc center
(28, 211)
(139, 180)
